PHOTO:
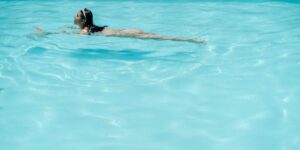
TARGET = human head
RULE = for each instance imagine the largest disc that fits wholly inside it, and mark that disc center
(84, 18)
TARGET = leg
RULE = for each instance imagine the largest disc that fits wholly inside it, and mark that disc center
(133, 33)
(158, 37)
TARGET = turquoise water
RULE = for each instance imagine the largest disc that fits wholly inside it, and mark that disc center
(239, 91)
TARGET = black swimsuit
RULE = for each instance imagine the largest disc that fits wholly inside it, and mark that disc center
(93, 29)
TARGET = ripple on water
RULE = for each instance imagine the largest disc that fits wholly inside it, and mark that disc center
(219, 95)
(131, 55)
(35, 51)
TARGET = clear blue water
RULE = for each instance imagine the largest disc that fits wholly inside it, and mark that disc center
(239, 91)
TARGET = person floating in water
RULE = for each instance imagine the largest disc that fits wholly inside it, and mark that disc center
(84, 20)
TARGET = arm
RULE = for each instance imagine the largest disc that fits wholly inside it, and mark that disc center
(72, 27)
(41, 32)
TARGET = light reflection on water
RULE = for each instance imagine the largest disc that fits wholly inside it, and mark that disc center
(240, 90)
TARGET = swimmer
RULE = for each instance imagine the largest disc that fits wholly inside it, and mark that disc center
(84, 21)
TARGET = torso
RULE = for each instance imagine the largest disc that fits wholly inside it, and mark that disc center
(122, 32)
(109, 32)
(114, 32)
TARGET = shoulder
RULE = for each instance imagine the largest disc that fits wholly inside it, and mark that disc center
(84, 31)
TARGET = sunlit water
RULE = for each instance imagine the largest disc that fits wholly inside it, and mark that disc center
(239, 91)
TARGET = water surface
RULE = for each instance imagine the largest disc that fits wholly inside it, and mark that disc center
(239, 91)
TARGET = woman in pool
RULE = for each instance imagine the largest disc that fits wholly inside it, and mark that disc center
(84, 20)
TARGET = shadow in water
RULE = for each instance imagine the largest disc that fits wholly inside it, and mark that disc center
(36, 50)
(110, 54)
(133, 55)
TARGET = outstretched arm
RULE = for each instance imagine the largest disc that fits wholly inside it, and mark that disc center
(41, 32)
(71, 27)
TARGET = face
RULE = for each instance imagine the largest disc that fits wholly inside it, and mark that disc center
(78, 20)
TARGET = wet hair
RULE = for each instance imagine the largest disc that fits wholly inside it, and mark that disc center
(87, 15)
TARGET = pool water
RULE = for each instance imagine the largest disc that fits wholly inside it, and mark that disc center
(239, 91)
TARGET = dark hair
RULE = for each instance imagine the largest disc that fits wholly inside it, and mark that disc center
(89, 23)
(88, 16)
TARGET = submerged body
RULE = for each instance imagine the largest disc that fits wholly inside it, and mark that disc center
(135, 33)
(84, 20)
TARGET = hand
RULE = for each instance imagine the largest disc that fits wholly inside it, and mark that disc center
(38, 28)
